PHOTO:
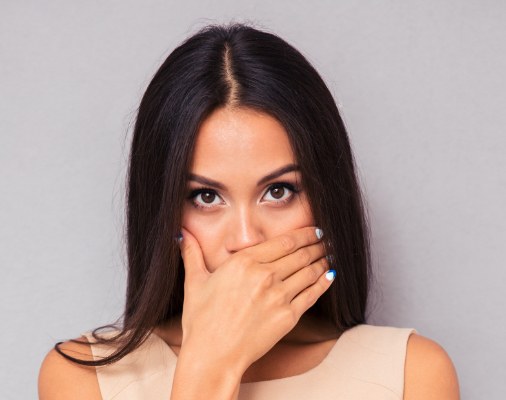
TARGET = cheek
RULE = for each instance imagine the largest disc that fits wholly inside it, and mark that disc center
(208, 232)
(297, 216)
(211, 230)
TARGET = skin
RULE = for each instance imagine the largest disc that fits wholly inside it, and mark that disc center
(241, 214)
(237, 147)
(246, 214)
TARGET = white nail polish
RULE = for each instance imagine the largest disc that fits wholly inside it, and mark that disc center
(330, 275)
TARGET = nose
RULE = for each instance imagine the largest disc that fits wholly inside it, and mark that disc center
(244, 230)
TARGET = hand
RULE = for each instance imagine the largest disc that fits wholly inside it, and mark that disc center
(236, 314)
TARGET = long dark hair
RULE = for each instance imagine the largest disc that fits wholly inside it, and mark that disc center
(234, 66)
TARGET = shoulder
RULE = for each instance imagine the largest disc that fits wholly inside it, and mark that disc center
(378, 338)
(60, 378)
(429, 371)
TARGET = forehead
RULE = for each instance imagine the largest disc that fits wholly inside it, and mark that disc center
(241, 140)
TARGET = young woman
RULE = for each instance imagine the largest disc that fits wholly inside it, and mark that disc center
(248, 246)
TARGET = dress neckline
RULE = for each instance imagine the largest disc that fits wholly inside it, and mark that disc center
(329, 355)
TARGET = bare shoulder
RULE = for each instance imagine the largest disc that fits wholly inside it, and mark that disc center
(60, 378)
(429, 371)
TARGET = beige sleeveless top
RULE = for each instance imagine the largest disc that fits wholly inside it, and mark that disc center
(366, 362)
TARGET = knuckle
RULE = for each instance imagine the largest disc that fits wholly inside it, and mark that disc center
(185, 249)
(305, 256)
(244, 260)
(286, 317)
(291, 316)
(322, 248)
(309, 298)
(287, 243)
(263, 285)
(188, 254)
(246, 253)
(311, 274)
(266, 278)
(324, 263)
(279, 297)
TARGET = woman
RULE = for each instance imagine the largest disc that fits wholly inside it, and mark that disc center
(248, 249)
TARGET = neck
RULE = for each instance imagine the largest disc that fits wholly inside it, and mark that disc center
(309, 329)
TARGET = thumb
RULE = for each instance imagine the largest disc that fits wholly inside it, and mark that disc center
(193, 259)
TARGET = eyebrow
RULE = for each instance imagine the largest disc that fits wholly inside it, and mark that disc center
(273, 175)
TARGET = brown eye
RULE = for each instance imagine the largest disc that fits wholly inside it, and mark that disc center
(208, 197)
(280, 193)
(277, 192)
(205, 198)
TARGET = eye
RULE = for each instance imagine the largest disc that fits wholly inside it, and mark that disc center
(204, 198)
(281, 192)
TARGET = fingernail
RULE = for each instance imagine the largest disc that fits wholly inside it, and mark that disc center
(319, 233)
(179, 237)
(330, 275)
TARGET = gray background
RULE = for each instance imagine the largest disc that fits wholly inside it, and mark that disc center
(422, 89)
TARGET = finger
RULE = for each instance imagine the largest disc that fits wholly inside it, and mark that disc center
(305, 299)
(287, 243)
(193, 259)
(288, 265)
(304, 278)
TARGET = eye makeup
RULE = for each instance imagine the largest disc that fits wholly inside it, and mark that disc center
(294, 190)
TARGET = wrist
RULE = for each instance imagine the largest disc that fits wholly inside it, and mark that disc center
(196, 374)
(208, 360)
(205, 356)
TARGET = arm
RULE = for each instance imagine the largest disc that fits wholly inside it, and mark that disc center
(263, 288)
(429, 371)
(61, 379)
(195, 375)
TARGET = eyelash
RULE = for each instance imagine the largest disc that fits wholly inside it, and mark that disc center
(295, 190)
